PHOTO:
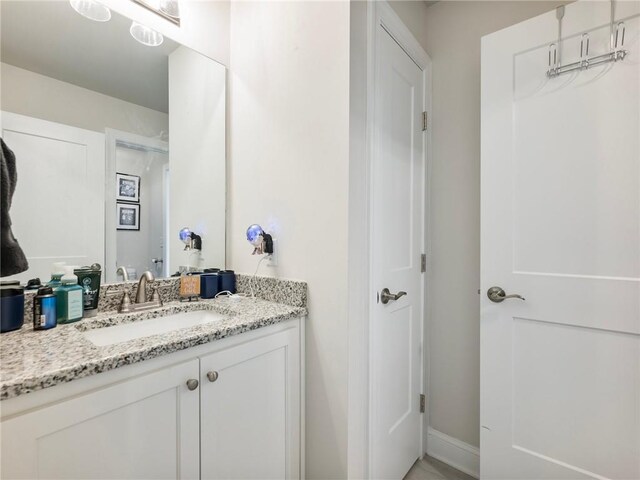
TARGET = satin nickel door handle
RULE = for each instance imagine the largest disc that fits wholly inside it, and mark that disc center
(386, 296)
(497, 295)
(212, 375)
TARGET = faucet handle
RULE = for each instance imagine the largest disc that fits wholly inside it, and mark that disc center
(155, 296)
(125, 304)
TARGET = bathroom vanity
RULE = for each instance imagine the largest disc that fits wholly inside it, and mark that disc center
(113, 139)
(217, 394)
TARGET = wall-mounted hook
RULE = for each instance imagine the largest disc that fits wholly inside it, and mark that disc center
(553, 59)
(619, 37)
(584, 51)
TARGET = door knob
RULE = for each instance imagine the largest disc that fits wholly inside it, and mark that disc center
(192, 384)
(386, 296)
(497, 295)
(212, 376)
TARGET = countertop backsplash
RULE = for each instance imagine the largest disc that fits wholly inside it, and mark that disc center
(287, 292)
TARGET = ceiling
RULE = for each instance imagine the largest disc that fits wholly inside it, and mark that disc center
(50, 38)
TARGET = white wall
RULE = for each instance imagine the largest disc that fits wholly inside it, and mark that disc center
(197, 132)
(288, 170)
(38, 96)
(204, 25)
(450, 32)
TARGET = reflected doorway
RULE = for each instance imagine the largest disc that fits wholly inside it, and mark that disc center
(137, 201)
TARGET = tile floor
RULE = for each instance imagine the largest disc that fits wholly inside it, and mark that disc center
(428, 468)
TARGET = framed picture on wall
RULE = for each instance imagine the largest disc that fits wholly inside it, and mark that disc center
(128, 216)
(127, 187)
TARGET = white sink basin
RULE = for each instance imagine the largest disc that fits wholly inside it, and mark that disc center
(144, 328)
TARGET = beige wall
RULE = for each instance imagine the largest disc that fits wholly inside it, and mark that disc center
(38, 96)
(450, 32)
(288, 170)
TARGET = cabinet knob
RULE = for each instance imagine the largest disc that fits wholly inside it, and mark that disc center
(192, 384)
(212, 375)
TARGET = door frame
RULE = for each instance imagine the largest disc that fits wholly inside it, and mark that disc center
(365, 20)
(112, 138)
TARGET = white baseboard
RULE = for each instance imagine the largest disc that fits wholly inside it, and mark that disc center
(458, 454)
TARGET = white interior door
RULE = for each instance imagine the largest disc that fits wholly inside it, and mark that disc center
(560, 371)
(58, 206)
(398, 176)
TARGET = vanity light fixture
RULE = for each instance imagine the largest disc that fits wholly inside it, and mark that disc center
(145, 35)
(167, 9)
(92, 10)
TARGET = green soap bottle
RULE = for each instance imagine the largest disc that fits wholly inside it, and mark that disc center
(69, 298)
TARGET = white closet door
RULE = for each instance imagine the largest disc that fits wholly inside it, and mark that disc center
(58, 206)
(398, 186)
(560, 371)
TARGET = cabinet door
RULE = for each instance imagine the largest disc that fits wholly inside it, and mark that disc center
(250, 414)
(144, 427)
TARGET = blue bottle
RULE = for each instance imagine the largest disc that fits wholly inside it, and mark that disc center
(44, 309)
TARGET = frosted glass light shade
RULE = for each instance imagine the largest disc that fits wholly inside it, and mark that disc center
(145, 35)
(91, 9)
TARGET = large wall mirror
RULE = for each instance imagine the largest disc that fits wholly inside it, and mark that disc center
(119, 145)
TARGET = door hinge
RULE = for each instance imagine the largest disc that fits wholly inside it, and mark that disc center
(424, 121)
(423, 403)
(423, 263)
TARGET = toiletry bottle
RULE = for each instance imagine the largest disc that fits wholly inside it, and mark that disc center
(57, 271)
(69, 298)
(89, 280)
(44, 309)
(11, 305)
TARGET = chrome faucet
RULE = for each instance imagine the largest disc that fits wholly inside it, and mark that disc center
(141, 302)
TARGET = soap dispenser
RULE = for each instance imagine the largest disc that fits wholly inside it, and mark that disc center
(69, 298)
(57, 271)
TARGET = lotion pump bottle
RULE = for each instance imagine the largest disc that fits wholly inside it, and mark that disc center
(69, 298)
(57, 271)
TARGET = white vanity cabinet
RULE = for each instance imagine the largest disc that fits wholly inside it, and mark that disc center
(144, 427)
(145, 421)
(250, 410)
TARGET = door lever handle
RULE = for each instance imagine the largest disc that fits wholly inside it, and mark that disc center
(386, 296)
(497, 295)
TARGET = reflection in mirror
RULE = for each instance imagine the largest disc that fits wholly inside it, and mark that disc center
(112, 138)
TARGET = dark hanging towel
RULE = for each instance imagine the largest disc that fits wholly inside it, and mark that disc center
(12, 260)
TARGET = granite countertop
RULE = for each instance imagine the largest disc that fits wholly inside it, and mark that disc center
(32, 360)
